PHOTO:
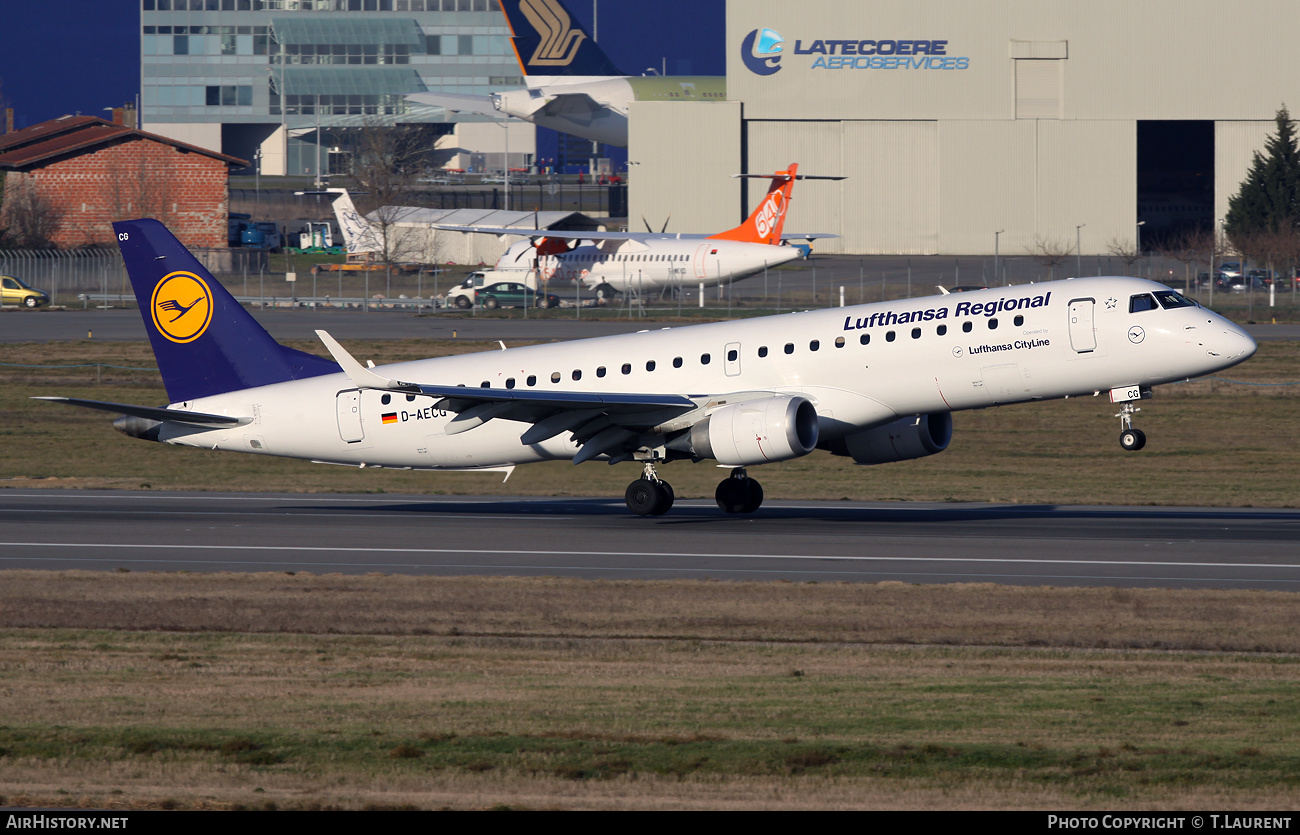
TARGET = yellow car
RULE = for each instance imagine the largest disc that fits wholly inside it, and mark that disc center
(15, 291)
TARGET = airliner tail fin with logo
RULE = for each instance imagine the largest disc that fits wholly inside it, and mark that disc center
(548, 41)
(205, 342)
(765, 223)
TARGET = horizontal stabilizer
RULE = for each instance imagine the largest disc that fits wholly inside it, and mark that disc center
(152, 413)
(457, 102)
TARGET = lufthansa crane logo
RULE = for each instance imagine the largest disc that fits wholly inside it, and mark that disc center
(559, 40)
(765, 59)
(181, 306)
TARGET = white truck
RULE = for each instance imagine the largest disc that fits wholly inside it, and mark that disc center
(462, 295)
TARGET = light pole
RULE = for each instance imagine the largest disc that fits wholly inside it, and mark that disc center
(1137, 236)
(1078, 250)
(995, 254)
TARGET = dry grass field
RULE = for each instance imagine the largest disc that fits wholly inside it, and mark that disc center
(309, 692)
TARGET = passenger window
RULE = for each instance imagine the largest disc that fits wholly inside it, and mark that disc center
(1139, 303)
(485, 385)
(1018, 321)
(510, 382)
(600, 372)
(916, 333)
(677, 362)
(762, 351)
(993, 324)
(889, 337)
(814, 345)
(555, 378)
(733, 355)
(965, 327)
(532, 379)
(577, 375)
(627, 368)
(704, 359)
(865, 339)
(839, 342)
(410, 398)
(941, 330)
(789, 347)
(386, 399)
(650, 365)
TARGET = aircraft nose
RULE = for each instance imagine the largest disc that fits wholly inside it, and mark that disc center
(1231, 343)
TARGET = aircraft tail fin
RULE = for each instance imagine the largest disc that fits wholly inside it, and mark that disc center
(548, 41)
(764, 225)
(358, 236)
(205, 342)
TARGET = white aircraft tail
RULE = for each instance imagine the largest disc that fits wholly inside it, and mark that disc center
(358, 235)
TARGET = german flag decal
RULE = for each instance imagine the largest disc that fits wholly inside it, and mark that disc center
(390, 417)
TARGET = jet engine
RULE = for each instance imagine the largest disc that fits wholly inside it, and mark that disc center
(911, 437)
(754, 432)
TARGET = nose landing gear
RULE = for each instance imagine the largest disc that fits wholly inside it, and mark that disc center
(1129, 438)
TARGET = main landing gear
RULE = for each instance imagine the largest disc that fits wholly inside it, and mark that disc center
(649, 495)
(1129, 438)
(739, 493)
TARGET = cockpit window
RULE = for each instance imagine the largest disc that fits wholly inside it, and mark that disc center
(1169, 299)
(1139, 303)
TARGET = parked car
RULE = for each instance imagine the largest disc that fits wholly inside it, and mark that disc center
(514, 294)
(16, 291)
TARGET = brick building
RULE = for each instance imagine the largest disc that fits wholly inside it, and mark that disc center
(85, 173)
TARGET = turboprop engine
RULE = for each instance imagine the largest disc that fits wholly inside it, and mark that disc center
(754, 431)
(915, 436)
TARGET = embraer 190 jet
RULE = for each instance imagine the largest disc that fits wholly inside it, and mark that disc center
(875, 382)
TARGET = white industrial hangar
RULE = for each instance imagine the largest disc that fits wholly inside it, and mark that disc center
(954, 119)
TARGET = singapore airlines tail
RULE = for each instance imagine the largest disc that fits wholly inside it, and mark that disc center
(206, 343)
(548, 42)
(764, 225)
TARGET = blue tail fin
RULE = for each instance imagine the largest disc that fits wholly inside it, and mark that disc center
(206, 343)
(549, 41)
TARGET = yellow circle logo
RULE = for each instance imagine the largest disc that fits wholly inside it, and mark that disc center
(182, 306)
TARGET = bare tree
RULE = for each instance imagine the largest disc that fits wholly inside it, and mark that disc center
(1050, 252)
(28, 219)
(1126, 250)
(1191, 246)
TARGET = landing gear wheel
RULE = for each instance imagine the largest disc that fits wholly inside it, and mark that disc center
(1132, 439)
(739, 493)
(648, 498)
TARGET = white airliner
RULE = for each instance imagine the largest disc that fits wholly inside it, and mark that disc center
(645, 262)
(875, 382)
(572, 86)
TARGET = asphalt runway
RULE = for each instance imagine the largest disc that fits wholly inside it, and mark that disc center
(126, 326)
(599, 538)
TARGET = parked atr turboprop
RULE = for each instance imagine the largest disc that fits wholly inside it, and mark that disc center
(875, 382)
(645, 262)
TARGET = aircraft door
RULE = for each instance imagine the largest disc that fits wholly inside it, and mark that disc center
(701, 263)
(732, 359)
(1083, 335)
(349, 412)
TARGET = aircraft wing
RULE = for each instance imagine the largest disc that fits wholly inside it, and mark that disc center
(458, 102)
(600, 421)
(806, 236)
(151, 413)
(570, 104)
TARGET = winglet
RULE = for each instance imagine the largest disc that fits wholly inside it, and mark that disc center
(361, 377)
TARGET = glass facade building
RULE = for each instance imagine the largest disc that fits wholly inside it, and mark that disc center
(287, 81)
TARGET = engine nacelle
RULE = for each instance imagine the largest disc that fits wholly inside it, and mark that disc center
(911, 437)
(755, 431)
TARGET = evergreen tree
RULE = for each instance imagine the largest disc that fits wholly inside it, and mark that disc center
(1269, 199)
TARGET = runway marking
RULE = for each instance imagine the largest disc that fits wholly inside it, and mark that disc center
(650, 554)
(198, 515)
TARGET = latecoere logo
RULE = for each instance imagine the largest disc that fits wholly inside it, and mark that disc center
(761, 51)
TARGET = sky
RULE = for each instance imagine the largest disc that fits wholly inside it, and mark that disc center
(80, 56)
